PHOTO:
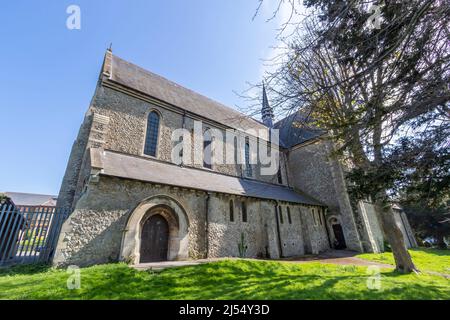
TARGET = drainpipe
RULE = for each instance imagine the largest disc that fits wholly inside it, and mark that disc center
(280, 246)
(208, 197)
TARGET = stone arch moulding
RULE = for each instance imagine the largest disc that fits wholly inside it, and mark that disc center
(178, 222)
(334, 219)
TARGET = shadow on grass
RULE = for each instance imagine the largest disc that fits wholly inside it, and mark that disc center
(225, 280)
(27, 269)
(437, 252)
(255, 281)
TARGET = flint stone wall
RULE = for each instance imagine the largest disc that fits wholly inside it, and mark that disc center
(127, 129)
(93, 233)
(317, 174)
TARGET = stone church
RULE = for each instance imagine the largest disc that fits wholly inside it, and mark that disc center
(130, 202)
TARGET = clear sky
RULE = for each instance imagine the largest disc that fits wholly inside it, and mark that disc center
(48, 73)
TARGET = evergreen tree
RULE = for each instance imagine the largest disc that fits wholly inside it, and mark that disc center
(376, 77)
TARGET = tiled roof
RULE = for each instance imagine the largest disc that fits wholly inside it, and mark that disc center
(153, 85)
(132, 76)
(143, 169)
(296, 129)
(31, 199)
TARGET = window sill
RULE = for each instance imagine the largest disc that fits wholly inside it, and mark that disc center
(148, 156)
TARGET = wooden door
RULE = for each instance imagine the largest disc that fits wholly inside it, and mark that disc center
(154, 239)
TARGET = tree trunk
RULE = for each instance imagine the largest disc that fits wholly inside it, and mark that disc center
(441, 243)
(403, 261)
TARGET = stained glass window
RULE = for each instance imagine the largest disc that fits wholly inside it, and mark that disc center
(248, 166)
(244, 211)
(151, 138)
(231, 211)
(207, 149)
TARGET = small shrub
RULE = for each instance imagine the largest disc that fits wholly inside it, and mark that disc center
(242, 247)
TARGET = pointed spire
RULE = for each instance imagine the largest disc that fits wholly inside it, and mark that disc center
(266, 111)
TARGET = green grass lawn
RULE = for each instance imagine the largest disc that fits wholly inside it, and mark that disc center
(228, 279)
(425, 259)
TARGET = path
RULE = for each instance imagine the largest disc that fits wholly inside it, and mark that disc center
(342, 257)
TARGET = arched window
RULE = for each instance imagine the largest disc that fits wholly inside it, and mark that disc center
(248, 167)
(244, 211)
(236, 150)
(289, 215)
(207, 149)
(231, 211)
(151, 138)
(280, 210)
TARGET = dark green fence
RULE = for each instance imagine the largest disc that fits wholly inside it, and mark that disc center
(29, 235)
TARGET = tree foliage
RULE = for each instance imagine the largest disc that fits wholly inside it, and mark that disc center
(382, 92)
(4, 199)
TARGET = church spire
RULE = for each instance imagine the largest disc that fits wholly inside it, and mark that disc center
(266, 111)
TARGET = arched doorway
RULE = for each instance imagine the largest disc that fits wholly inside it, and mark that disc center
(144, 235)
(154, 239)
(338, 234)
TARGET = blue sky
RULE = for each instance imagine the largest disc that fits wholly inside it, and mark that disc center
(48, 72)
